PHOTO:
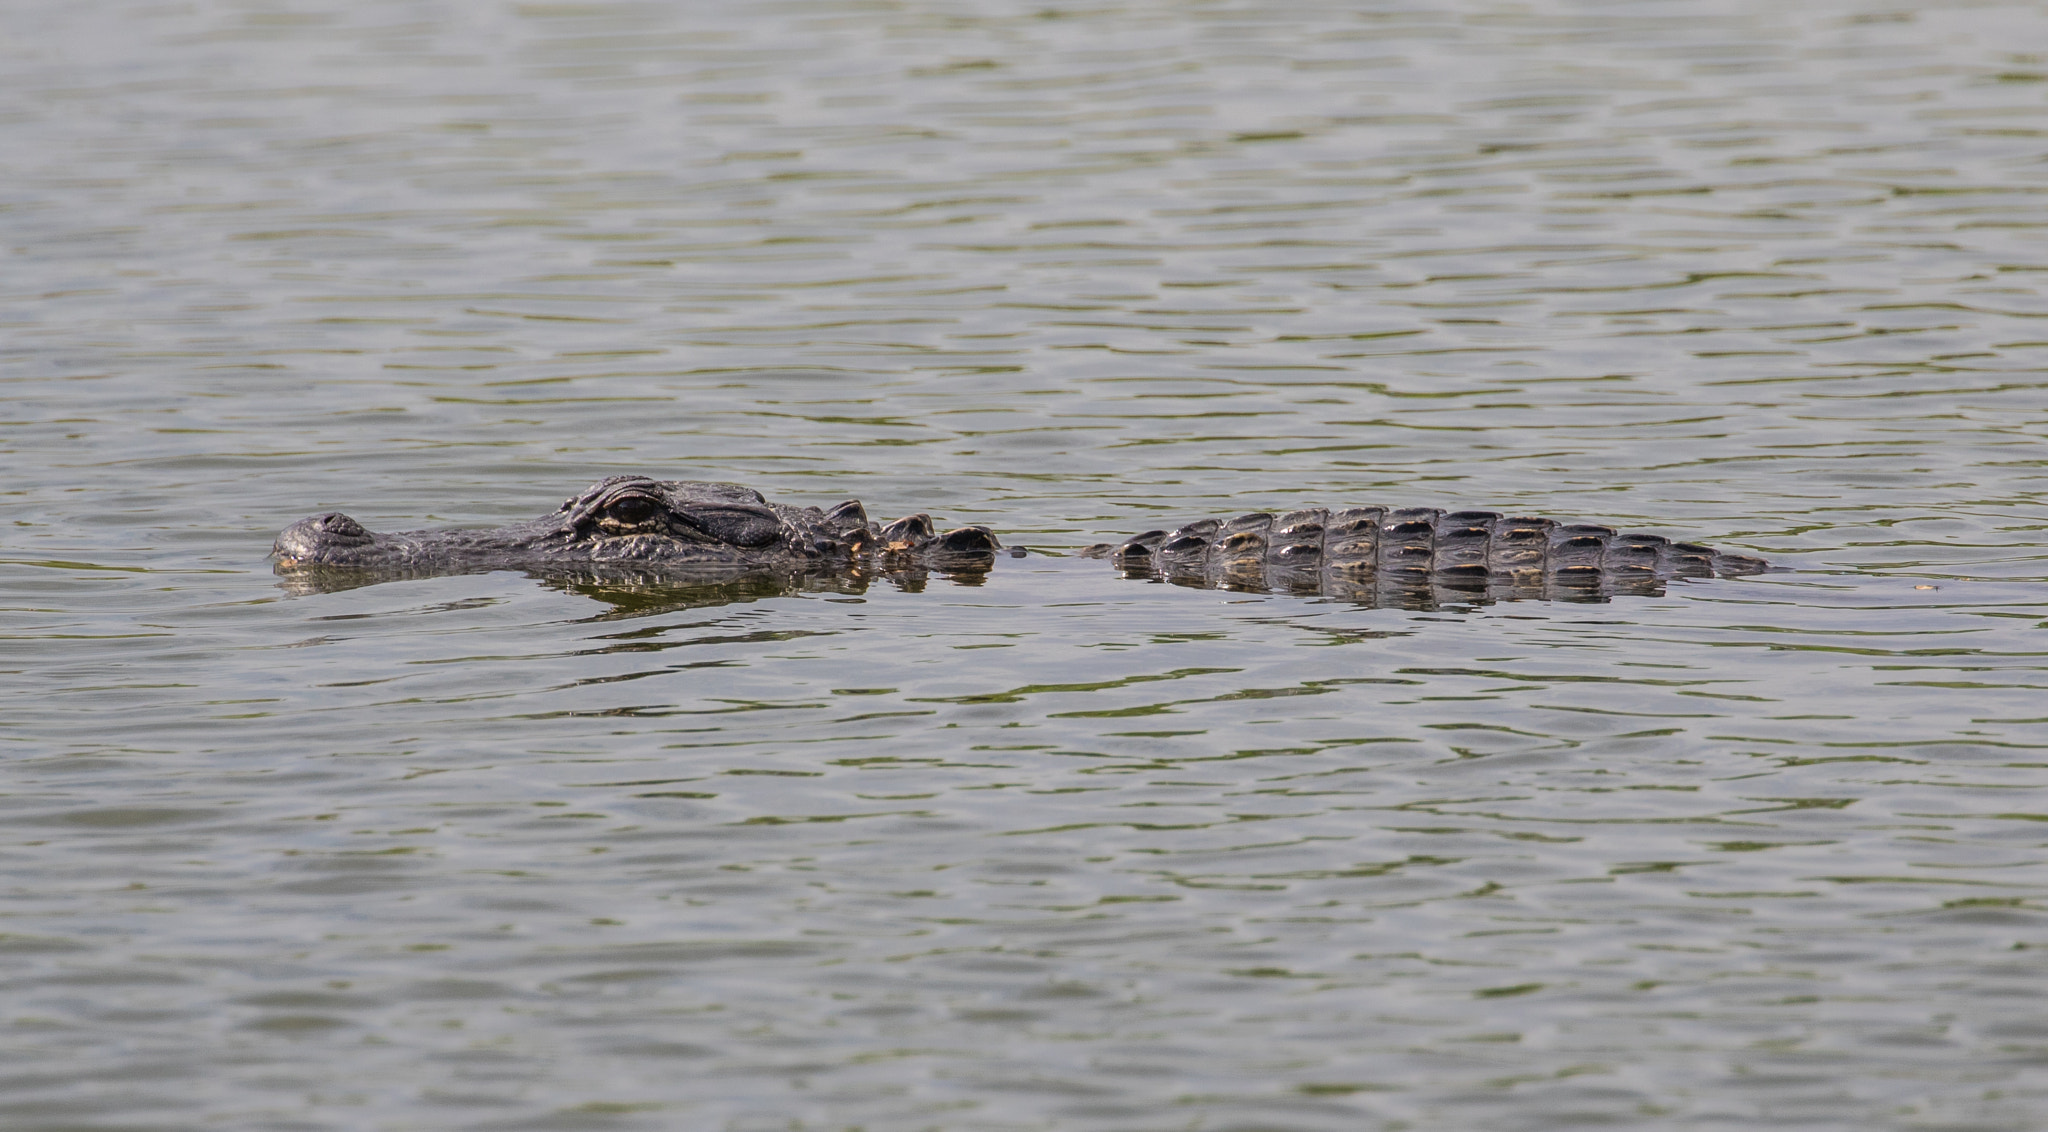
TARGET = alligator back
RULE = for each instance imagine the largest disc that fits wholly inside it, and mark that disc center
(1382, 554)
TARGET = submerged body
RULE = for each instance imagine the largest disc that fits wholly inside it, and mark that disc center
(679, 532)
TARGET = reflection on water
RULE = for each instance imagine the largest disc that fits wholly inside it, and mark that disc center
(1040, 847)
(635, 593)
(1418, 591)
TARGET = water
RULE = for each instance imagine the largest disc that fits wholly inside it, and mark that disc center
(1058, 850)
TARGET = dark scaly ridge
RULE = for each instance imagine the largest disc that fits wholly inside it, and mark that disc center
(1368, 551)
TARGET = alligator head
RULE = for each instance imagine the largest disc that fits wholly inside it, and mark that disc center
(642, 525)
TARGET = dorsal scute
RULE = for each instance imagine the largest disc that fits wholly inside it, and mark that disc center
(845, 517)
(1334, 549)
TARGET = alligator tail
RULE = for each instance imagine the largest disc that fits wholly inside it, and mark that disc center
(1335, 551)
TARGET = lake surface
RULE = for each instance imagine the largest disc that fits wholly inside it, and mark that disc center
(1059, 850)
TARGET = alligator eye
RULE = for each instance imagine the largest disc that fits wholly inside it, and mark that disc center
(632, 511)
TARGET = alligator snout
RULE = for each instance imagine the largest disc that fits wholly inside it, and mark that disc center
(311, 539)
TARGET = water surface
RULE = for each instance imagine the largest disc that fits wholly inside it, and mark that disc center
(1058, 849)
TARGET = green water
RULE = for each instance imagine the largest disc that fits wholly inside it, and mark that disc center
(1059, 850)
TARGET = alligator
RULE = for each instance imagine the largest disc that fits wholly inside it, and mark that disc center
(636, 530)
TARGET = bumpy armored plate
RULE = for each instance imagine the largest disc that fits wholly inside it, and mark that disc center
(633, 531)
(1417, 556)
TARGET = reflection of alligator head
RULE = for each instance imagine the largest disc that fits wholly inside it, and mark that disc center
(631, 596)
(636, 535)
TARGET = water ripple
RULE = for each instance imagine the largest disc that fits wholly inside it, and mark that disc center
(1060, 849)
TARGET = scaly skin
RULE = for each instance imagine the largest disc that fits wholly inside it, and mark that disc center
(1360, 552)
(632, 529)
(633, 526)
